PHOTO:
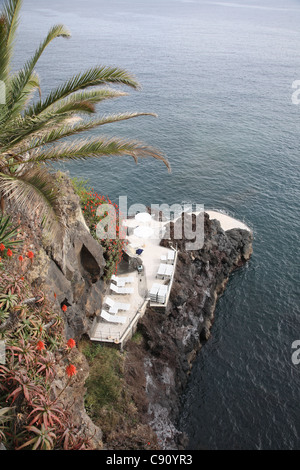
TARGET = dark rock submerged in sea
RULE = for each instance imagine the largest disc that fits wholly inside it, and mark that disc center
(171, 339)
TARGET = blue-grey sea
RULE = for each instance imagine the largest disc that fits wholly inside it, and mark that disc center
(219, 75)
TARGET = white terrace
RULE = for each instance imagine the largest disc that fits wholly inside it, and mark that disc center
(129, 293)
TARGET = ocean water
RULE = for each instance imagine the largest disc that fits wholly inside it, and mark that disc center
(219, 75)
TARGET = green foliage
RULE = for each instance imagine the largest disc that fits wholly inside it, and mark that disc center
(108, 401)
(8, 232)
(6, 416)
(112, 248)
(104, 381)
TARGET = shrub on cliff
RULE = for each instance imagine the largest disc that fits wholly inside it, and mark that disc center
(90, 201)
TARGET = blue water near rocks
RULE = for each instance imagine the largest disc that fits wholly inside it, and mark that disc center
(219, 75)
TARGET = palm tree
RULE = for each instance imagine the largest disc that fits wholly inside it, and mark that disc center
(34, 131)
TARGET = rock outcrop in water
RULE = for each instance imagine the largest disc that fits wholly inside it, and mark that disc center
(171, 339)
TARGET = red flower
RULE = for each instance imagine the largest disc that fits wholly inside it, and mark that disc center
(30, 255)
(71, 343)
(2, 247)
(9, 252)
(71, 370)
(21, 258)
(64, 308)
(40, 346)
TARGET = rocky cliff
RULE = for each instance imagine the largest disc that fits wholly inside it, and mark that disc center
(70, 266)
(172, 339)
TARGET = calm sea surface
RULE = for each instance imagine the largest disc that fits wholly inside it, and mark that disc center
(219, 75)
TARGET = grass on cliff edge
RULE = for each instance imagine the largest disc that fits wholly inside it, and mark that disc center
(107, 401)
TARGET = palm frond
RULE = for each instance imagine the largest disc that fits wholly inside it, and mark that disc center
(101, 147)
(61, 131)
(8, 27)
(18, 129)
(35, 190)
(29, 90)
(20, 80)
(84, 101)
(95, 76)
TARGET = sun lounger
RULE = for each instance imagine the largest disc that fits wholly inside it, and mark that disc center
(161, 270)
(121, 281)
(121, 290)
(169, 270)
(110, 302)
(112, 318)
(161, 295)
(114, 288)
(153, 292)
(171, 257)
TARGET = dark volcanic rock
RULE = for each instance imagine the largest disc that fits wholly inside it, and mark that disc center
(172, 339)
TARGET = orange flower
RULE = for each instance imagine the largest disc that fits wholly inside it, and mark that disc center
(2, 247)
(64, 308)
(40, 346)
(30, 255)
(9, 252)
(71, 370)
(71, 343)
(21, 258)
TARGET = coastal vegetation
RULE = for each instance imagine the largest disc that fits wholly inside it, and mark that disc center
(90, 201)
(32, 330)
(36, 131)
(107, 400)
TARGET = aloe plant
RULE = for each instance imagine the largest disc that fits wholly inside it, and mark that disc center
(8, 232)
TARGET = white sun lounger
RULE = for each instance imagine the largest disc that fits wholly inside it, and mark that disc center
(110, 302)
(121, 290)
(121, 281)
(161, 295)
(115, 306)
(161, 270)
(112, 318)
(169, 270)
(153, 292)
(171, 257)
